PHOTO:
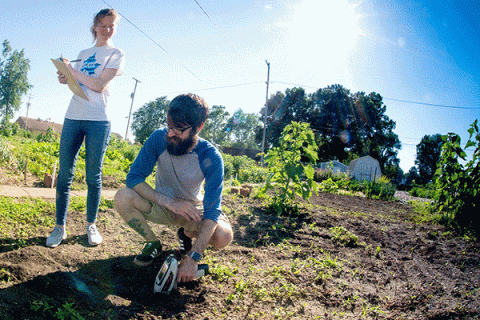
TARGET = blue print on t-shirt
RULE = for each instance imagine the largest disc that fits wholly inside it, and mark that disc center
(90, 65)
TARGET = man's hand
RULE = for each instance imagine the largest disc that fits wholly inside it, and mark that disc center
(185, 209)
(187, 270)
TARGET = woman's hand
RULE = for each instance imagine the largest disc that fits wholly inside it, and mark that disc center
(61, 78)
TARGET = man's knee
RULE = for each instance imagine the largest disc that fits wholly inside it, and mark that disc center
(122, 200)
(223, 236)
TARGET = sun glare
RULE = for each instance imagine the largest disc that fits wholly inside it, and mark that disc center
(328, 29)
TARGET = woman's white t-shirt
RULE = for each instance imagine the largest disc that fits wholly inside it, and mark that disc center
(93, 61)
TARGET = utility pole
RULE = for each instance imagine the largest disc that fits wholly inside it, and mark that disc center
(266, 112)
(130, 114)
(28, 107)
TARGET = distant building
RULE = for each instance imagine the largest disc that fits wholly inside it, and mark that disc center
(365, 168)
(41, 126)
(334, 165)
(38, 125)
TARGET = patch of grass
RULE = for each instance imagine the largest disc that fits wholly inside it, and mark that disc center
(23, 220)
(424, 212)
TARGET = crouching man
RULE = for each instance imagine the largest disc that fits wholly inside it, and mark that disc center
(184, 161)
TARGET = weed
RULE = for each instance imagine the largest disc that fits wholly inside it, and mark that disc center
(343, 236)
(286, 247)
(61, 312)
(367, 309)
(5, 276)
(223, 272)
(261, 294)
(350, 302)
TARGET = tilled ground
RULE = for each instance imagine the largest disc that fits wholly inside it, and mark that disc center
(276, 268)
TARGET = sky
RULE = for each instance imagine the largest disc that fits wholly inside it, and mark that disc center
(421, 56)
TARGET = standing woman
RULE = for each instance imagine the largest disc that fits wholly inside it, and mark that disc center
(87, 120)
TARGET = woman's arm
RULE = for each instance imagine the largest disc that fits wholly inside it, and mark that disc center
(95, 84)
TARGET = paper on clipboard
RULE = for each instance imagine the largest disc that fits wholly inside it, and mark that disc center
(71, 81)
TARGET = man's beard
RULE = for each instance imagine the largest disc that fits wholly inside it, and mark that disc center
(178, 147)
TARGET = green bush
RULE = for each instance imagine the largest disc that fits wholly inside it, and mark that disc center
(381, 189)
(427, 191)
(8, 129)
(328, 186)
(253, 174)
(243, 169)
(287, 172)
(457, 186)
(354, 185)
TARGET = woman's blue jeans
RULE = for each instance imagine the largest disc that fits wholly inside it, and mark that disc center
(96, 135)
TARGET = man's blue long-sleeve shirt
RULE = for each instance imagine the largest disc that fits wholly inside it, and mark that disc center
(181, 177)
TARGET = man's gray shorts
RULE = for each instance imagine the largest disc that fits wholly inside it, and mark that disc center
(164, 216)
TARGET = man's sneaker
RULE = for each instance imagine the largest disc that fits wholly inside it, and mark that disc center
(94, 238)
(58, 234)
(151, 250)
(185, 242)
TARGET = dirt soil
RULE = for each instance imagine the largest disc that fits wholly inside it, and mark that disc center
(276, 268)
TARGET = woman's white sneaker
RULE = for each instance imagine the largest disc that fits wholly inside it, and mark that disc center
(94, 238)
(58, 234)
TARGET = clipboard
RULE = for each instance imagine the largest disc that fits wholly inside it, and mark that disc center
(71, 81)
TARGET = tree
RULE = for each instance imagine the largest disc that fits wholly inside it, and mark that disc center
(241, 128)
(274, 106)
(331, 112)
(428, 156)
(13, 80)
(149, 118)
(394, 173)
(411, 176)
(345, 125)
(285, 109)
(214, 129)
(375, 130)
(274, 113)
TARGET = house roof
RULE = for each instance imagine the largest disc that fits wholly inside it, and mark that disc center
(38, 124)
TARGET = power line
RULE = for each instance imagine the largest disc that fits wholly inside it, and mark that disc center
(430, 104)
(215, 88)
(206, 14)
(391, 99)
(158, 45)
(213, 22)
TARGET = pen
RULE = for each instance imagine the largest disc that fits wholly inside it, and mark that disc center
(61, 58)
